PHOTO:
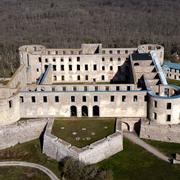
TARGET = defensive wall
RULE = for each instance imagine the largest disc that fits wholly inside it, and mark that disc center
(160, 132)
(21, 131)
(59, 149)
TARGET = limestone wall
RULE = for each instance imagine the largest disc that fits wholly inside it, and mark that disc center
(19, 78)
(21, 131)
(59, 149)
(166, 133)
(146, 48)
(173, 74)
(9, 110)
(134, 104)
(102, 149)
(162, 106)
(107, 61)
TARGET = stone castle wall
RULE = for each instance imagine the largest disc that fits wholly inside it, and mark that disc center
(167, 103)
(160, 132)
(21, 131)
(131, 107)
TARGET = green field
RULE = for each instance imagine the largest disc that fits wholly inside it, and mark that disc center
(175, 82)
(21, 173)
(87, 130)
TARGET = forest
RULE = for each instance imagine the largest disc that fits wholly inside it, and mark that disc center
(68, 23)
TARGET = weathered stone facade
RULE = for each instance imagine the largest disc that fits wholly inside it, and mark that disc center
(21, 131)
(160, 132)
(172, 70)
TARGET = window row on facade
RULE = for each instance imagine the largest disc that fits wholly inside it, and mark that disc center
(168, 105)
(74, 52)
(173, 76)
(79, 78)
(92, 88)
(78, 68)
(74, 98)
(174, 70)
(168, 117)
(47, 60)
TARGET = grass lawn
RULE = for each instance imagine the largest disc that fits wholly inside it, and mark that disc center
(21, 173)
(175, 82)
(95, 129)
(134, 163)
(165, 147)
(30, 152)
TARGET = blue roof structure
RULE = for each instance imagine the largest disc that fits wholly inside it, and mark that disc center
(169, 64)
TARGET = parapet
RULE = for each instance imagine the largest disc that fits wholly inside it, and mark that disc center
(91, 48)
(147, 48)
(31, 48)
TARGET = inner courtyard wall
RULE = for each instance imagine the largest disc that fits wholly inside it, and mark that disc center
(134, 104)
(107, 62)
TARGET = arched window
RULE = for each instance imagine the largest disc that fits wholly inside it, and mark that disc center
(136, 64)
(95, 110)
(73, 110)
(84, 111)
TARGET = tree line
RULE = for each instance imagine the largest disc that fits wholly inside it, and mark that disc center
(62, 23)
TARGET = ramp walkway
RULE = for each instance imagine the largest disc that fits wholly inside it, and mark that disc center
(135, 139)
(44, 75)
(158, 67)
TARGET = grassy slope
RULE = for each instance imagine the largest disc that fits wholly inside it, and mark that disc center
(167, 148)
(20, 173)
(91, 125)
(31, 152)
(134, 163)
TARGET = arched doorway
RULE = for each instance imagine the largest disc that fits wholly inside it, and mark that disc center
(125, 126)
(84, 111)
(73, 110)
(95, 110)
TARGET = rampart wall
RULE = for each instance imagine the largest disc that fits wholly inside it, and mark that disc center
(160, 132)
(58, 149)
(19, 78)
(21, 131)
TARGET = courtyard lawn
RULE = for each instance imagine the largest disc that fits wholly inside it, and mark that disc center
(175, 82)
(83, 131)
(30, 152)
(18, 173)
(134, 163)
(165, 147)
